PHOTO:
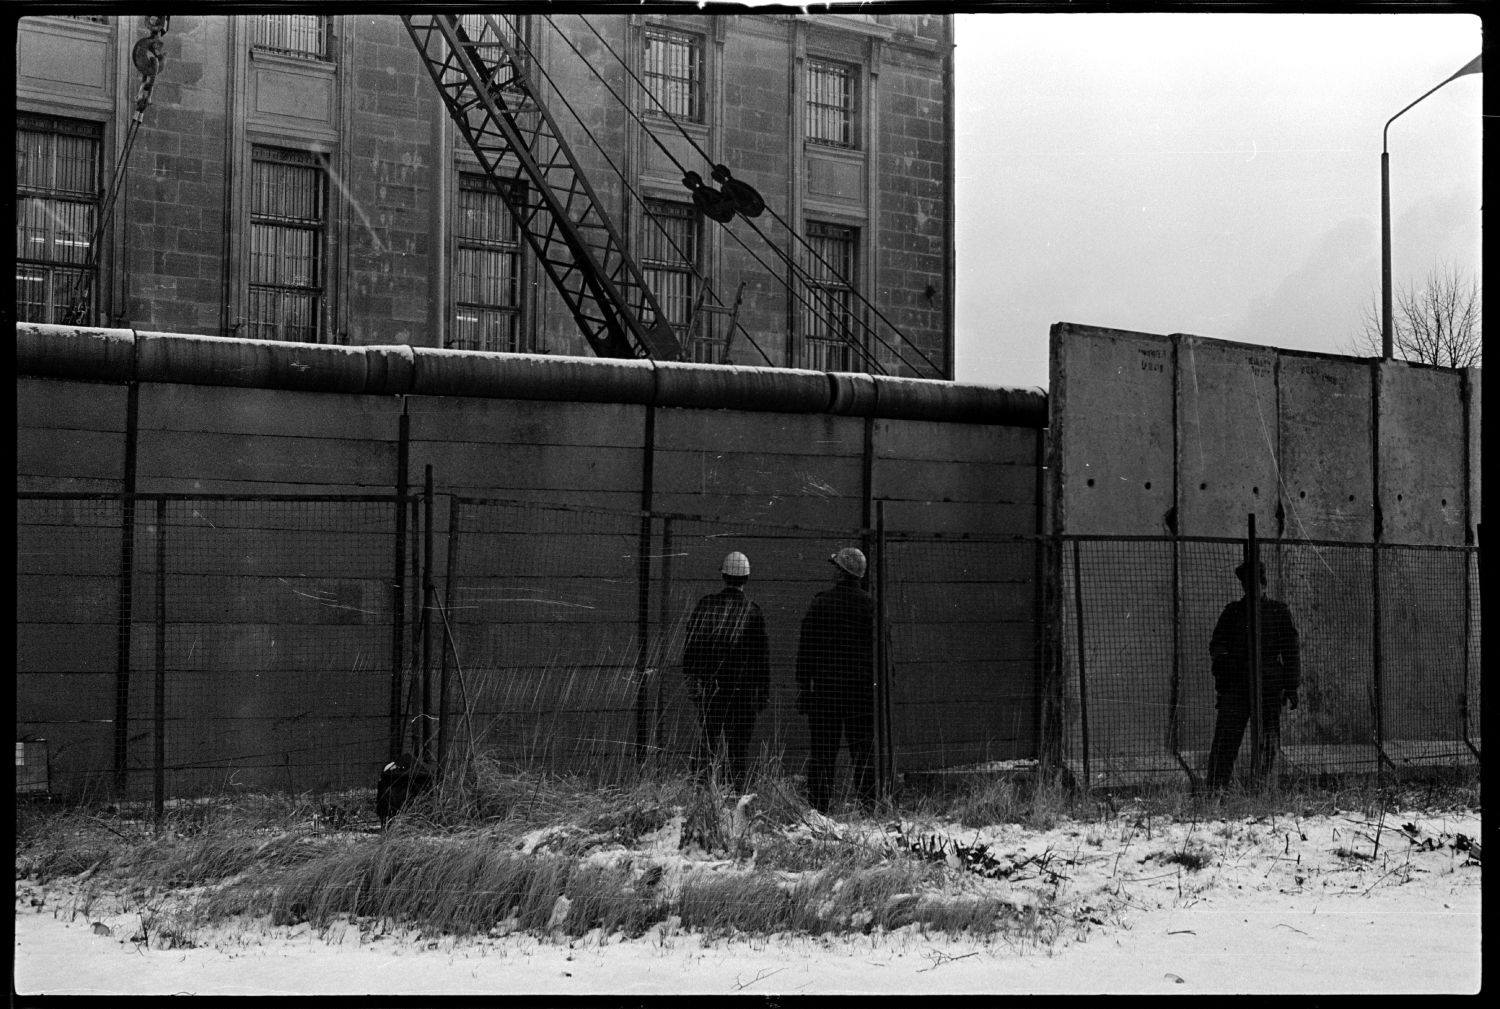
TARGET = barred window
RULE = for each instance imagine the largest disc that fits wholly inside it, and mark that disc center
(303, 35)
(478, 26)
(674, 73)
(487, 275)
(830, 103)
(288, 214)
(513, 27)
(829, 335)
(669, 260)
(58, 182)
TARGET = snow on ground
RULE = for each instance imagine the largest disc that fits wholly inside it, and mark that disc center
(1280, 905)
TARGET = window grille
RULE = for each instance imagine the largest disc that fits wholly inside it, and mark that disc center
(828, 320)
(288, 213)
(58, 182)
(670, 265)
(477, 28)
(304, 35)
(830, 103)
(674, 73)
(487, 274)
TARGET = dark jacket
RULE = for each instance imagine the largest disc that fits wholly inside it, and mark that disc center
(1280, 653)
(728, 653)
(836, 650)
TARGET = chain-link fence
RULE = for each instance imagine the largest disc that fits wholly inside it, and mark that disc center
(176, 645)
(1386, 650)
(180, 644)
(589, 639)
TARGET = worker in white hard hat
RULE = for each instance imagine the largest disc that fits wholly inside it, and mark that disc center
(836, 680)
(726, 661)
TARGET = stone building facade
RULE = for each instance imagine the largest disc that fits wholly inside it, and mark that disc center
(296, 177)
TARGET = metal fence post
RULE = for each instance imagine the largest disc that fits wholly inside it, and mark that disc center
(159, 774)
(887, 758)
(411, 700)
(1083, 692)
(445, 737)
(663, 637)
(1377, 657)
(1463, 700)
(643, 637)
(125, 591)
(428, 591)
(1252, 596)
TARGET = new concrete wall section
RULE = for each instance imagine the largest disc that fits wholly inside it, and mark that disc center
(1228, 453)
(1423, 440)
(1309, 444)
(1327, 448)
(1115, 469)
(740, 447)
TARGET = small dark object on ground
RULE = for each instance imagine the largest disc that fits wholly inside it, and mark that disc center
(402, 780)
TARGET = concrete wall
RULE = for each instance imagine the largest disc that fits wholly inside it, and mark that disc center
(278, 642)
(1154, 435)
(1222, 430)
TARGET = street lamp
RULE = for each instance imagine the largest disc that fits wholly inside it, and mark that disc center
(1472, 67)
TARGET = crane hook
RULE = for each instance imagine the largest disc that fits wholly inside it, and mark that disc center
(709, 200)
(148, 55)
(746, 199)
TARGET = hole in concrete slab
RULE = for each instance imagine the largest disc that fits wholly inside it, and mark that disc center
(1255, 491)
(1148, 484)
(1445, 502)
(1203, 486)
(1351, 497)
(1091, 481)
(1302, 494)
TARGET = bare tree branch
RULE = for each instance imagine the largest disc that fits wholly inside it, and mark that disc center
(1436, 321)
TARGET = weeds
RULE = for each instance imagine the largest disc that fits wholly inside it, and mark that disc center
(471, 857)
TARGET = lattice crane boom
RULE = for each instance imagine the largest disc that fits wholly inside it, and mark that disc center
(497, 109)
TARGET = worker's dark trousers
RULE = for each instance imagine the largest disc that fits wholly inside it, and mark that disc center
(728, 724)
(1229, 732)
(827, 724)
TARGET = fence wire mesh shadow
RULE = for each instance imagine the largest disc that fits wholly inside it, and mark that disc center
(1386, 641)
(249, 644)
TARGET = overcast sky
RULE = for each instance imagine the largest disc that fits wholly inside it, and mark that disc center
(1214, 174)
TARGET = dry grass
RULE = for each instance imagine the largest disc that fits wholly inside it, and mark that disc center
(498, 849)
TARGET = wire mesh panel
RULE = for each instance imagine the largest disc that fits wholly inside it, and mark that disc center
(1117, 647)
(1329, 591)
(251, 643)
(544, 617)
(1472, 666)
(710, 702)
(962, 633)
(261, 644)
(67, 633)
(1424, 638)
(1156, 658)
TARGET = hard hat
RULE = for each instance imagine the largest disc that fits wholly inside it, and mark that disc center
(851, 560)
(736, 565)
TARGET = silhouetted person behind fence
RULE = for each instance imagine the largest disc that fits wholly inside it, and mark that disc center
(1281, 677)
(727, 663)
(836, 680)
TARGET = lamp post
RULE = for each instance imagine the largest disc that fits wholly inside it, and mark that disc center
(1472, 67)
